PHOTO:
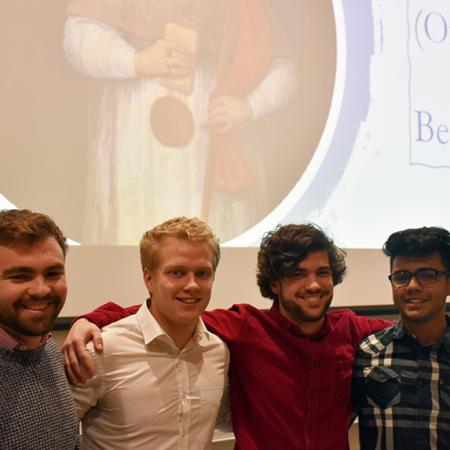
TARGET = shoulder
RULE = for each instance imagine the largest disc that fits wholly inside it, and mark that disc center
(237, 313)
(230, 323)
(376, 343)
(120, 337)
(364, 325)
(53, 353)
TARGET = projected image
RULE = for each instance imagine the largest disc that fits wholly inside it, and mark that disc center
(129, 113)
(181, 118)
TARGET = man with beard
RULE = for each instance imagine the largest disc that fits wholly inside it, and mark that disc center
(291, 366)
(36, 406)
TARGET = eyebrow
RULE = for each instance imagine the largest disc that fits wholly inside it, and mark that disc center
(26, 269)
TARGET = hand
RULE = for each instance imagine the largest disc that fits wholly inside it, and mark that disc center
(227, 112)
(164, 59)
(78, 362)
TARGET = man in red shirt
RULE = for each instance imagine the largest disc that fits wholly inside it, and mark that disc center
(291, 366)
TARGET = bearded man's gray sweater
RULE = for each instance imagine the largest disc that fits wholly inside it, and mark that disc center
(37, 411)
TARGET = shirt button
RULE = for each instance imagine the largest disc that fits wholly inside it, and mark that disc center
(309, 429)
(312, 366)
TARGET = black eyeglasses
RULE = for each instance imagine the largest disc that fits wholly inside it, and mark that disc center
(427, 275)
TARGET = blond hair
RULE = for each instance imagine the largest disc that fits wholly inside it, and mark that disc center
(191, 229)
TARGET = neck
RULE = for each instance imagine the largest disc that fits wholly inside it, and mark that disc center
(427, 334)
(181, 338)
(11, 339)
(308, 328)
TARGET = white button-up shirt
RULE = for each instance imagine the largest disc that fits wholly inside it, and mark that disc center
(147, 394)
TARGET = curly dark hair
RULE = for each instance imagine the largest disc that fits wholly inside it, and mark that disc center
(419, 242)
(25, 227)
(282, 249)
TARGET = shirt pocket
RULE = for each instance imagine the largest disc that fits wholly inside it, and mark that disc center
(382, 386)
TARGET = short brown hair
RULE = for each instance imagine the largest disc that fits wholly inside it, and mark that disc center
(191, 229)
(282, 249)
(24, 227)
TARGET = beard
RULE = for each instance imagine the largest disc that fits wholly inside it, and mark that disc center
(16, 319)
(303, 314)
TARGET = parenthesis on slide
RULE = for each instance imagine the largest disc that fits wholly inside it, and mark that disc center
(417, 29)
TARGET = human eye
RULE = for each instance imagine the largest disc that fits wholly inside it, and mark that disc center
(176, 272)
(18, 277)
(298, 274)
(55, 273)
(204, 274)
(400, 278)
(324, 273)
(427, 275)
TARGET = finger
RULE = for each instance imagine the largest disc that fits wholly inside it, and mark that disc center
(217, 125)
(173, 72)
(97, 340)
(181, 60)
(71, 365)
(175, 47)
(85, 363)
(73, 380)
(217, 103)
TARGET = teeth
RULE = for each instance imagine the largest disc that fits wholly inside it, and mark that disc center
(188, 300)
(36, 306)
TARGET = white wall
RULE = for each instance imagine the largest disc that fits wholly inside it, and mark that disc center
(99, 274)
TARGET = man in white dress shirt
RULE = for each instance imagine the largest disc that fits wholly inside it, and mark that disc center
(161, 376)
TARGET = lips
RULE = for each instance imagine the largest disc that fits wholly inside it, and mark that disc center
(188, 300)
(415, 300)
(37, 305)
(312, 299)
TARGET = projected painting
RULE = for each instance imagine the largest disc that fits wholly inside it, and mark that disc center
(165, 108)
(245, 113)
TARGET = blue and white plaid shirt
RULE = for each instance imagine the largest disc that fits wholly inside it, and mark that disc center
(401, 392)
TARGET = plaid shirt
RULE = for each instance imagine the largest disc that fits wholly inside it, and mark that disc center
(401, 392)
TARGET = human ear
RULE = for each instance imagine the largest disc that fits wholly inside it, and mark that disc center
(148, 280)
(275, 287)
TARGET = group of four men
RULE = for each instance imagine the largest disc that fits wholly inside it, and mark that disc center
(157, 379)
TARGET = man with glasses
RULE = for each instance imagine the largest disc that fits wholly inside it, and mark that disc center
(402, 373)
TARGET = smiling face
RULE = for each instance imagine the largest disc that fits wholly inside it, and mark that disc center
(418, 304)
(32, 289)
(180, 287)
(305, 296)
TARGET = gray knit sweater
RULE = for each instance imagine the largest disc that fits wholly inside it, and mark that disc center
(36, 407)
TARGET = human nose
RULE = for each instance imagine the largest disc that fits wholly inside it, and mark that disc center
(39, 288)
(191, 282)
(413, 284)
(313, 284)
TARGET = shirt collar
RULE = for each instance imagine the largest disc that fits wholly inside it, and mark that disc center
(152, 330)
(295, 329)
(400, 331)
(9, 342)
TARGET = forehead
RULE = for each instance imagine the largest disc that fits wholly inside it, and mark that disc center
(413, 262)
(315, 259)
(177, 250)
(41, 253)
